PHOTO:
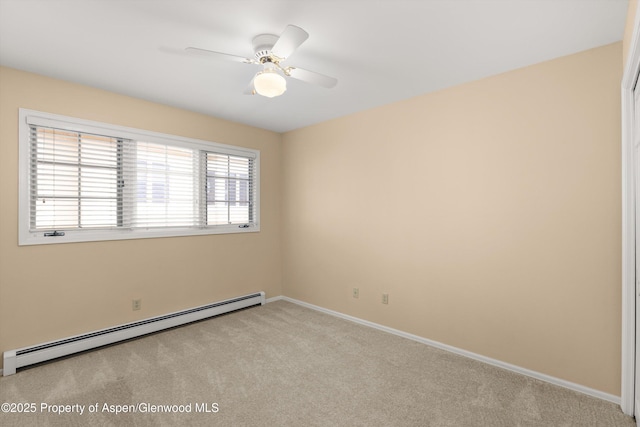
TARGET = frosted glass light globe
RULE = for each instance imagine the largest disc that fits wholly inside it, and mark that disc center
(269, 83)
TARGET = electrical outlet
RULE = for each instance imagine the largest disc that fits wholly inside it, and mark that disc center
(385, 298)
(136, 304)
(356, 293)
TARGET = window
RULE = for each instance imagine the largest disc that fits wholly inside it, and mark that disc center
(74, 180)
(228, 184)
(86, 181)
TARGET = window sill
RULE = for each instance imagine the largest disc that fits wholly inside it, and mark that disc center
(74, 236)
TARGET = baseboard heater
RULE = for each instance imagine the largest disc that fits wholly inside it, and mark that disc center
(14, 359)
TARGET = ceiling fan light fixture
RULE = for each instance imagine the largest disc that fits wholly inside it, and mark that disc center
(269, 83)
(270, 51)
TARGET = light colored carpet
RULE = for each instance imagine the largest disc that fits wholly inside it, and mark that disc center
(286, 365)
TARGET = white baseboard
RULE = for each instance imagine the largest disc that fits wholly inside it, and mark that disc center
(517, 369)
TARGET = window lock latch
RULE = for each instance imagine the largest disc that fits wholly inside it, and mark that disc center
(54, 234)
(243, 226)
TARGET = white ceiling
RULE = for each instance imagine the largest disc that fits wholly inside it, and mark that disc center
(381, 51)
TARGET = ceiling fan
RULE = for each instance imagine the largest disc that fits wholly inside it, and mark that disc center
(269, 52)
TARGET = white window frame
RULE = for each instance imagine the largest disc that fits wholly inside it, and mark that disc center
(27, 118)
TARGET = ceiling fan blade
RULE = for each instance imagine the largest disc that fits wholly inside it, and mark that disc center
(311, 77)
(289, 40)
(219, 55)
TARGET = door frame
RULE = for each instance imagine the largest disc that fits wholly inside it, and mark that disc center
(629, 79)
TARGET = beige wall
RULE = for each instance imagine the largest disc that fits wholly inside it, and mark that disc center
(490, 213)
(49, 292)
(628, 30)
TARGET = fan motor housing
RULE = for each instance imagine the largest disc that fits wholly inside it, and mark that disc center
(262, 45)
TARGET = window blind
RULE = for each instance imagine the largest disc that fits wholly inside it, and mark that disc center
(88, 181)
(230, 189)
(74, 180)
(162, 186)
